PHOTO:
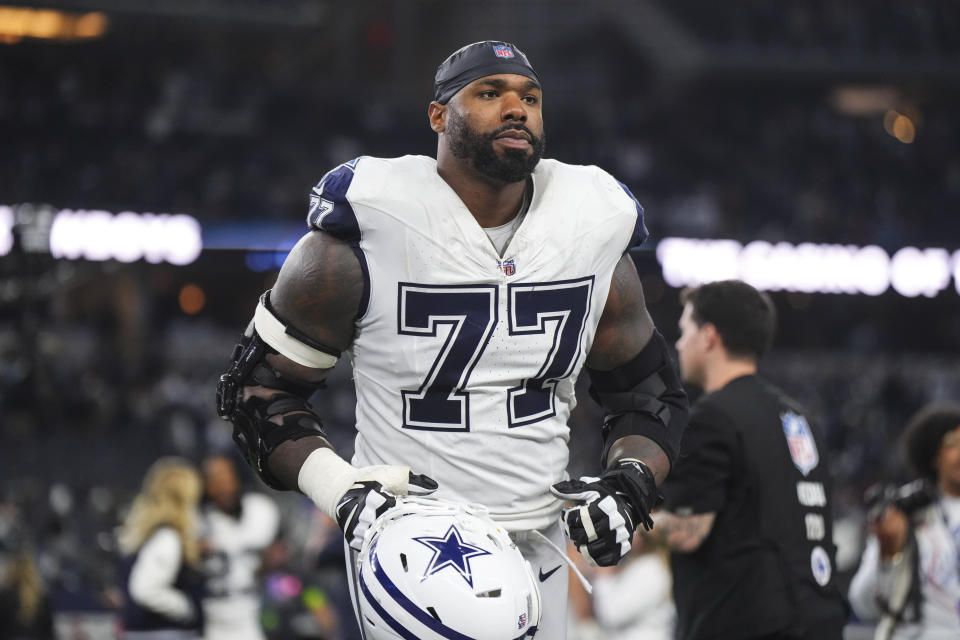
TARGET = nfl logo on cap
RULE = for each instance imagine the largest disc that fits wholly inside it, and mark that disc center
(502, 51)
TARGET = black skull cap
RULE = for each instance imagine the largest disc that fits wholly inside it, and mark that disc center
(479, 60)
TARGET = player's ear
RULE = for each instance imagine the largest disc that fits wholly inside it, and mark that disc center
(437, 113)
(711, 336)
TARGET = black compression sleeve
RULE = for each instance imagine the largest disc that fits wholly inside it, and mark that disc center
(643, 397)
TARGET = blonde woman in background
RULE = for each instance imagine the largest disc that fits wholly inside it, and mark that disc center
(24, 605)
(163, 585)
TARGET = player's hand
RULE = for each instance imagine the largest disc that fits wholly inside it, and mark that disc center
(611, 507)
(367, 500)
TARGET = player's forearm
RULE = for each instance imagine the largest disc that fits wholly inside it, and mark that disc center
(643, 449)
(287, 459)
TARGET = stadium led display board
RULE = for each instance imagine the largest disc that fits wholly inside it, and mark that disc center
(810, 268)
(179, 238)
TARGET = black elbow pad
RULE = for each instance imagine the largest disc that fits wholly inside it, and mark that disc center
(643, 397)
(255, 434)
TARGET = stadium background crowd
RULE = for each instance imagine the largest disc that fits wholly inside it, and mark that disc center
(798, 121)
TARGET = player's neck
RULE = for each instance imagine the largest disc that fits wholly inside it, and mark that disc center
(724, 370)
(492, 203)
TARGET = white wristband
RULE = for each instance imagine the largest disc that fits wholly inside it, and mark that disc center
(325, 477)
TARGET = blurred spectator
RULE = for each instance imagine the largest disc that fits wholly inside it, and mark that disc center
(238, 528)
(25, 612)
(909, 576)
(325, 553)
(163, 584)
(631, 601)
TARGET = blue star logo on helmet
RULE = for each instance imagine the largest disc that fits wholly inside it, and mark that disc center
(502, 51)
(451, 551)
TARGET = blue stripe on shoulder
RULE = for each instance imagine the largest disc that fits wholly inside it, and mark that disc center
(330, 210)
(640, 232)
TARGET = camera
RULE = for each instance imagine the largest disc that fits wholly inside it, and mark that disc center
(908, 498)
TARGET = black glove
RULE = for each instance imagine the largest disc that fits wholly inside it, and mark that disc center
(367, 500)
(610, 509)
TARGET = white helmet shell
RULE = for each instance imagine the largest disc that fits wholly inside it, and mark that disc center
(436, 570)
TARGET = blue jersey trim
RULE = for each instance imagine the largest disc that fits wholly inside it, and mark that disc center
(331, 212)
(365, 297)
(640, 232)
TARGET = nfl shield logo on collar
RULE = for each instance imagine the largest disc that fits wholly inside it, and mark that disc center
(803, 448)
(502, 51)
(508, 267)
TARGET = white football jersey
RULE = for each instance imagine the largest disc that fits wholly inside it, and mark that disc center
(231, 604)
(464, 360)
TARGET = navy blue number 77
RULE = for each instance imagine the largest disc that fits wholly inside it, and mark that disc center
(442, 402)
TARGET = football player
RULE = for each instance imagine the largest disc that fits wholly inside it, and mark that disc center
(469, 291)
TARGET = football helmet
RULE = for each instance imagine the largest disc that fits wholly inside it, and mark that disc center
(436, 570)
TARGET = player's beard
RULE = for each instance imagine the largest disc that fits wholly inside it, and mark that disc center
(514, 165)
